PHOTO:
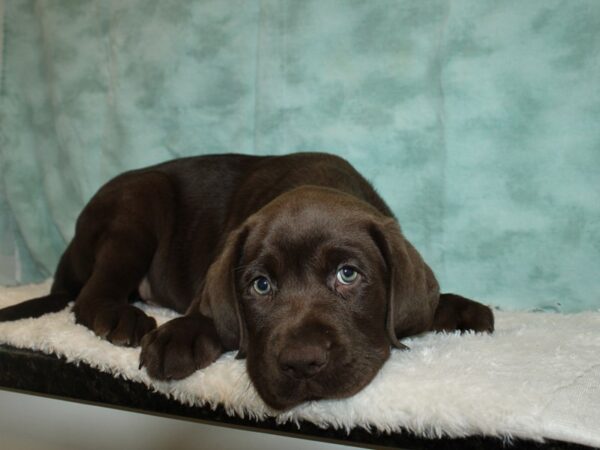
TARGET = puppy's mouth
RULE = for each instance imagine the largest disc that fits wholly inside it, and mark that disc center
(285, 394)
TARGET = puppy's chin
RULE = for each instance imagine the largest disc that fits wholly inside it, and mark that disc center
(281, 399)
(282, 392)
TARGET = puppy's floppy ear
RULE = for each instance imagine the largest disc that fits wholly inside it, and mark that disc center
(413, 291)
(218, 296)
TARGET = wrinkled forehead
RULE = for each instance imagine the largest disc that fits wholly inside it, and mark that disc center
(312, 223)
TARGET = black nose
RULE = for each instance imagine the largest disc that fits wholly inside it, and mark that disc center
(303, 361)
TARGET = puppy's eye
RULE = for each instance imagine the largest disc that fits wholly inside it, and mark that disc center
(347, 275)
(261, 285)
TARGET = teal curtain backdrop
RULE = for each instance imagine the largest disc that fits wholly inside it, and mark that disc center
(478, 121)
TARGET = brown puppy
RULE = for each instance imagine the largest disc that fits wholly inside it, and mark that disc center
(294, 261)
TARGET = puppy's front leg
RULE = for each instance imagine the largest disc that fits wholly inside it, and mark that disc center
(181, 346)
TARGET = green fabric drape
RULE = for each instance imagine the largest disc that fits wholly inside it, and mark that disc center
(478, 121)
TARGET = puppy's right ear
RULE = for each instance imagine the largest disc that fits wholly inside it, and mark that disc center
(218, 299)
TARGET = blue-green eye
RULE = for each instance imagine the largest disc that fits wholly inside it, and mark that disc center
(262, 286)
(347, 275)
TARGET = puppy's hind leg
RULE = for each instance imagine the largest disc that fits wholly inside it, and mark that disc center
(102, 305)
(459, 313)
(121, 262)
(116, 239)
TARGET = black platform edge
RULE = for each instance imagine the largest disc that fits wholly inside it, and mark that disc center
(49, 375)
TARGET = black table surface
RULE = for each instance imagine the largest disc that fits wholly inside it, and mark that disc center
(38, 373)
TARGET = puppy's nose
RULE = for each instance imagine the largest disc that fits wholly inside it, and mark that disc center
(303, 362)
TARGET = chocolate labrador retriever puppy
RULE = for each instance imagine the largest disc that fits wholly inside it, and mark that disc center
(294, 261)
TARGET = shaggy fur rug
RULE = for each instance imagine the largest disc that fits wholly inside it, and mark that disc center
(536, 377)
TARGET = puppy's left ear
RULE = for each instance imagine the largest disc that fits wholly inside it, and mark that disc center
(412, 290)
(218, 298)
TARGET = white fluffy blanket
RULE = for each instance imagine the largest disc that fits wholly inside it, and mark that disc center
(537, 376)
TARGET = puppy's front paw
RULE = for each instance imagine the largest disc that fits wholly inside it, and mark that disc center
(459, 313)
(178, 348)
(482, 320)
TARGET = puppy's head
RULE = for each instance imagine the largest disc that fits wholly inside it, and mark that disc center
(313, 289)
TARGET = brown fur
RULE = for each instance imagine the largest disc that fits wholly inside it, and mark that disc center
(196, 233)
